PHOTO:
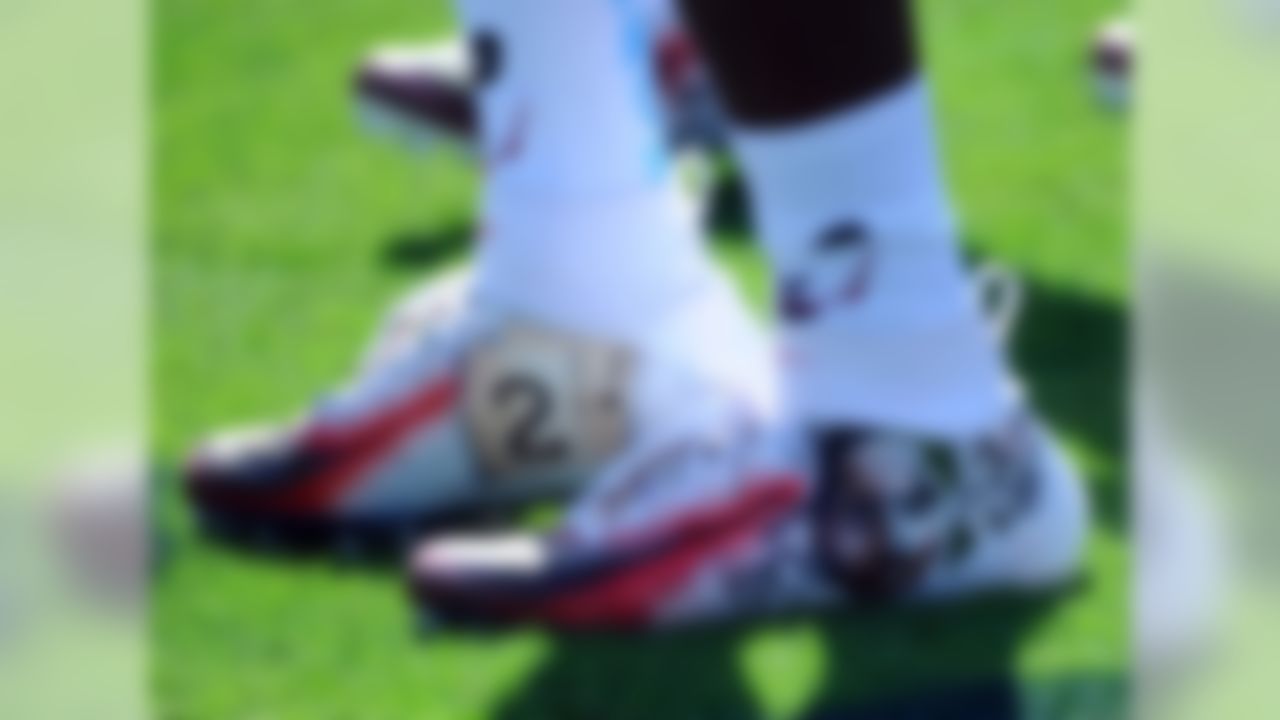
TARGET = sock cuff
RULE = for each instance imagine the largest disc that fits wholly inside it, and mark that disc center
(874, 163)
(607, 266)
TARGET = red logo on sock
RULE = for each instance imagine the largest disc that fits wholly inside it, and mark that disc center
(838, 272)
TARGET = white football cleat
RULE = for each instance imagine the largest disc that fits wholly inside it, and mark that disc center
(728, 514)
(461, 407)
(705, 528)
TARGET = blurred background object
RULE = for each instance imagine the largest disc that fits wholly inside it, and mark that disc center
(99, 528)
(1207, 164)
(1114, 57)
(73, 356)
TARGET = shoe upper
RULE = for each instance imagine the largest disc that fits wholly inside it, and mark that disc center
(358, 449)
(458, 404)
(724, 517)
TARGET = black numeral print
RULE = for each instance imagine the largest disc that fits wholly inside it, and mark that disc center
(529, 440)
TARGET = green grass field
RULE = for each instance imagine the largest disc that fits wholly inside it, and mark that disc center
(281, 233)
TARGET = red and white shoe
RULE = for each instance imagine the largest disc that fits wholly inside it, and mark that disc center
(422, 95)
(677, 507)
(724, 515)
(463, 407)
(709, 526)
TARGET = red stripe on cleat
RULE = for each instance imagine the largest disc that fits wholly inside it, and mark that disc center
(354, 450)
(633, 596)
(651, 566)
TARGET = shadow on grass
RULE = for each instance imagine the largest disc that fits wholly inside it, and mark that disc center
(934, 664)
(426, 250)
(729, 209)
(1097, 696)
(1072, 352)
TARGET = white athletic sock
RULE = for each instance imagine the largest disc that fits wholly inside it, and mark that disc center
(881, 321)
(585, 221)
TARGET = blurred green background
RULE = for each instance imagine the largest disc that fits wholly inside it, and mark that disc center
(281, 233)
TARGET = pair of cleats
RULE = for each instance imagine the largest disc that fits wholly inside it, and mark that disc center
(691, 499)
